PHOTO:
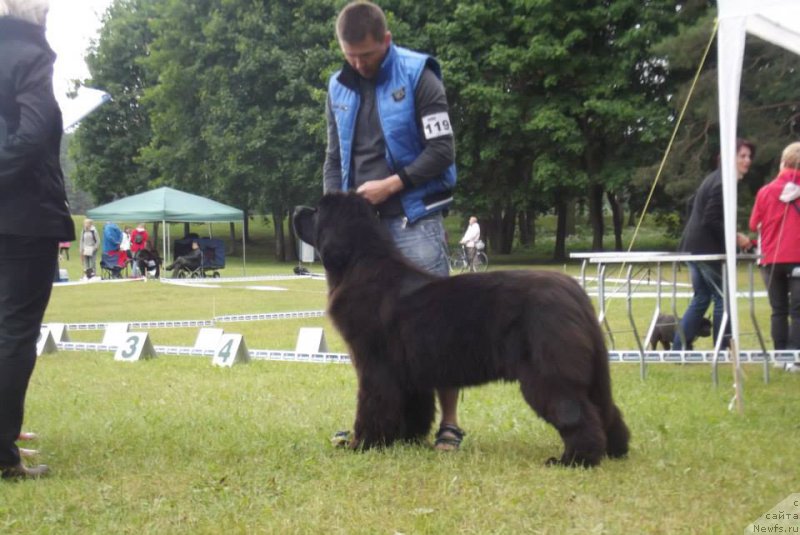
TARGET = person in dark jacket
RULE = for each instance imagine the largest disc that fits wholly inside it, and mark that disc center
(192, 260)
(34, 214)
(705, 234)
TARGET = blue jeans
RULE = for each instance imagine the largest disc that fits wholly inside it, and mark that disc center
(707, 285)
(421, 242)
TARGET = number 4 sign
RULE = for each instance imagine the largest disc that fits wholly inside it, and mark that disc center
(231, 350)
(133, 347)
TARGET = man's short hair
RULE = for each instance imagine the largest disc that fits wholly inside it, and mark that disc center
(34, 11)
(791, 156)
(360, 19)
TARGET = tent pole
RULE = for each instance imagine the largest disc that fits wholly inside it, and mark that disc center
(164, 244)
(244, 256)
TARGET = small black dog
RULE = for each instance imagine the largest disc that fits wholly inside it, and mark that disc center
(664, 331)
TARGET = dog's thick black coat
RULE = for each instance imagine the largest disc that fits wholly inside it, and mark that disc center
(410, 332)
(664, 331)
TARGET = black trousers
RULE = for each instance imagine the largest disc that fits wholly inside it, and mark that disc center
(26, 279)
(784, 298)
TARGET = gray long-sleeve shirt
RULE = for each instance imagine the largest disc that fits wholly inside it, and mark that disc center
(369, 147)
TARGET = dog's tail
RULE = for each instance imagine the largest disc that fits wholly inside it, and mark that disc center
(617, 433)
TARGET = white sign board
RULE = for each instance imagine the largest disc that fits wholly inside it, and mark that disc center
(135, 346)
(231, 350)
(59, 331)
(306, 252)
(208, 338)
(115, 334)
(311, 340)
(45, 343)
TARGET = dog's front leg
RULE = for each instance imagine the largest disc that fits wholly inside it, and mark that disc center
(379, 414)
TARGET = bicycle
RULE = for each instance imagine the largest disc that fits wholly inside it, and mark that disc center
(459, 259)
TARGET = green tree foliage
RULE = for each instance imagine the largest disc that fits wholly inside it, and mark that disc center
(106, 146)
(238, 111)
(556, 103)
(769, 108)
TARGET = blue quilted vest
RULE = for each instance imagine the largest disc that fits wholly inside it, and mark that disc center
(394, 94)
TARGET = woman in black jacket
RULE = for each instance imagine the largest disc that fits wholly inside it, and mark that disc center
(705, 234)
(34, 215)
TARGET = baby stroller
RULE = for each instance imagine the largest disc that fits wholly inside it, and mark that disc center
(211, 261)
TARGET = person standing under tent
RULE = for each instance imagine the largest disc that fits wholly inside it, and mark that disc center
(390, 139)
(34, 213)
(776, 217)
(89, 244)
(705, 234)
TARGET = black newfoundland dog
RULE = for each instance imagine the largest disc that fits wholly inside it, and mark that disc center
(410, 332)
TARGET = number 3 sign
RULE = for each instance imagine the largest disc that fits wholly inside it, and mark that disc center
(133, 347)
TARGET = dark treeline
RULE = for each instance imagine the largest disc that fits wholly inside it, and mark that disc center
(560, 106)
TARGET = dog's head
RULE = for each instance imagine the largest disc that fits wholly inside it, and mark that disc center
(704, 329)
(341, 228)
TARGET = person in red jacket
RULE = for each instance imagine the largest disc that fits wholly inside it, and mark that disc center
(776, 216)
(139, 238)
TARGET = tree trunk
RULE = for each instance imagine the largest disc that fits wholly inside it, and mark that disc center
(509, 224)
(560, 251)
(617, 217)
(500, 234)
(246, 226)
(186, 229)
(596, 216)
(524, 228)
(232, 246)
(280, 242)
(292, 254)
(570, 209)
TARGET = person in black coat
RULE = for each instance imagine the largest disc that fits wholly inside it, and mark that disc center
(191, 260)
(34, 214)
(705, 234)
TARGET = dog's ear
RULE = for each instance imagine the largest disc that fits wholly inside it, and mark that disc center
(304, 221)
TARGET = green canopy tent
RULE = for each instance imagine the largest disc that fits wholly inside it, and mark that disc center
(168, 205)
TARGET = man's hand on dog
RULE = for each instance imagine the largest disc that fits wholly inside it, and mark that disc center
(377, 191)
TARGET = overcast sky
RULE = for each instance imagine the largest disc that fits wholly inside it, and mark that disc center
(71, 25)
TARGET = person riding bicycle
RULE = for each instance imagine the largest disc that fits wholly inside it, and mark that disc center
(470, 239)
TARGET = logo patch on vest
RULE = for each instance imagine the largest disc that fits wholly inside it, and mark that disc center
(399, 94)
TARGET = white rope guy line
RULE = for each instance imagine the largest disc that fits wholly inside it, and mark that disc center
(198, 323)
(622, 357)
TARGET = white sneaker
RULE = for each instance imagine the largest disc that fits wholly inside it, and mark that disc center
(793, 368)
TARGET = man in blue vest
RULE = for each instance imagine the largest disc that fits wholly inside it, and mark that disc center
(390, 139)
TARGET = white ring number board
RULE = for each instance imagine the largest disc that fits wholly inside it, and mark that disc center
(134, 346)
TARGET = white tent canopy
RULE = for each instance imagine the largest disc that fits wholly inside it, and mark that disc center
(776, 21)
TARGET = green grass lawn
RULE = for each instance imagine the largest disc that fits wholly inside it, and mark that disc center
(175, 445)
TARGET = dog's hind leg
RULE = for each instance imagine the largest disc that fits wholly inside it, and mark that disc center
(568, 409)
(419, 413)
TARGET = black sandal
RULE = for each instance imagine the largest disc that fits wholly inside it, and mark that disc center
(449, 437)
